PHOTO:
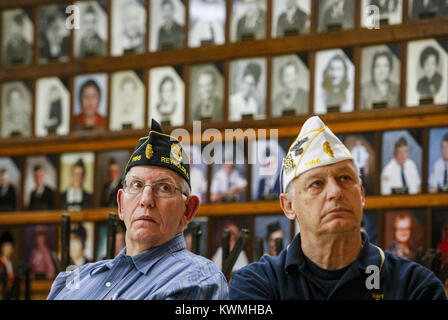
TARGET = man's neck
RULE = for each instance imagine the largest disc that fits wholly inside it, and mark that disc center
(332, 252)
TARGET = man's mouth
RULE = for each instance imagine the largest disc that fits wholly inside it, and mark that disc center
(146, 218)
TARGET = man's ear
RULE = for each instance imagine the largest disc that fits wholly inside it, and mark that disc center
(191, 208)
(286, 205)
(120, 204)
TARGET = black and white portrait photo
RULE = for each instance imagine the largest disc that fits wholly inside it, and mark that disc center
(427, 9)
(90, 102)
(248, 20)
(247, 89)
(40, 183)
(380, 77)
(336, 15)
(10, 184)
(426, 72)
(207, 22)
(290, 17)
(271, 229)
(386, 12)
(127, 101)
(166, 96)
(53, 34)
(401, 162)
(53, 107)
(91, 37)
(334, 77)
(128, 27)
(16, 110)
(76, 180)
(206, 92)
(290, 86)
(167, 24)
(17, 37)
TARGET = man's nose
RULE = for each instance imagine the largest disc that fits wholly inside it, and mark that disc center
(333, 189)
(147, 197)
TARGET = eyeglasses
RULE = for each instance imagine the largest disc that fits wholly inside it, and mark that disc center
(159, 189)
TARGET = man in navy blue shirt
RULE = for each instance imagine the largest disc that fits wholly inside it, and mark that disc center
(330, 258)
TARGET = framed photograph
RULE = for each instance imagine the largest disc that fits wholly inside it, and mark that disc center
(438, 160)
(248, 20)
(101, 240)
(12, 248)
(76, 180)
(206, 92)
(439, 239)
(334, 81)
(109, 174)
(247, 89)
(427, 9)
(401, 162)
(265, 157)
(234, 225)
(369, 225)
(90, 102)
(53, 107)
(166, 96)
(335, 15)
(207, 22)
(40, 184)
(405, 232)
(167, 30)
(90, 39)
(128, 27)
(54, 37)
(188, 235)
(363, 148)
(270, 228)
(16, 109)
(375, 13)
(426, 72)
(229, 174)
(41, 242)
(82, 242)
(380, 77)
(198, 171)
(127, 101)
(290, 17)
(290, 85)
(10, 186)
(17, 37)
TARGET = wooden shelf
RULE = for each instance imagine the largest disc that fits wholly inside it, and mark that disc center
(223, 209)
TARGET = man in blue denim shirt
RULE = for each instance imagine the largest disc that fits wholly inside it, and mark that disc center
(155, 205)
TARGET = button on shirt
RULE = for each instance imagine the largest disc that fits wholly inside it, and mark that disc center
(391, 177)
(288, 276)
(165, 272)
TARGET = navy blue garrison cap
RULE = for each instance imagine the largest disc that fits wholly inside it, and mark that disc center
(160, 149)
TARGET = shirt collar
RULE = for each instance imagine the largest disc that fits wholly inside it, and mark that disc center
(369, 255)
(145, 260)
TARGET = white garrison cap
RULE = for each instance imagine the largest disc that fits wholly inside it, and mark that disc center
(316, 146)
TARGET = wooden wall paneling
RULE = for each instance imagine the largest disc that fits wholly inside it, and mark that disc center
(269, 19)
(187, 98)
(311, 68)
(403, 73)
(357, 12)
(228, 26)
(187, 23)
(109, 99)
(313, 16)
(268, 97)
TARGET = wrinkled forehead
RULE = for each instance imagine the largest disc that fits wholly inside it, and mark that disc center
(153, 173)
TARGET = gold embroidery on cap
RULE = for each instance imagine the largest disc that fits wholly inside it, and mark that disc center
(149, 152)
(176, 152)
(288, 163)
(328, 150)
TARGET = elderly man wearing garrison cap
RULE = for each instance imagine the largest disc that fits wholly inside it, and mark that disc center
(330, 258)
(155, 205)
